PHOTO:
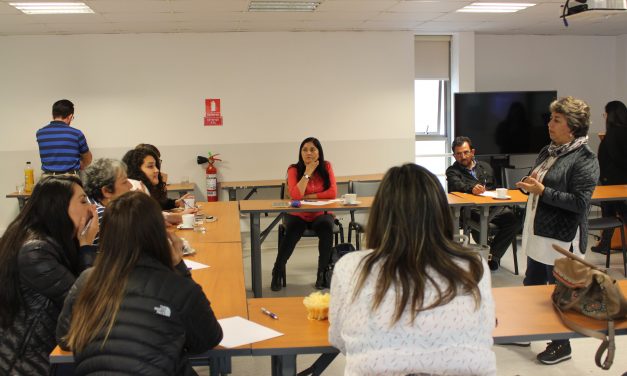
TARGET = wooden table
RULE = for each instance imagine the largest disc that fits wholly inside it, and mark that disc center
(600, 194)
(225, 229)
(253, 185)
(485, 203)
(300, 335)
(524, 313)
(181, 188)
(256, 207)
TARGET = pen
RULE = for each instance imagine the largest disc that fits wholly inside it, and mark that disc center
(86, 227)
(268, 313)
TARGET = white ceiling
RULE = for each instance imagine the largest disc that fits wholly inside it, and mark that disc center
(192, 16)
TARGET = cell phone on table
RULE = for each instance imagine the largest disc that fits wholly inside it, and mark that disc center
(84, 231)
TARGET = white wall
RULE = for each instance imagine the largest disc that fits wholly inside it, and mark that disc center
(586, 67)
(354, 91)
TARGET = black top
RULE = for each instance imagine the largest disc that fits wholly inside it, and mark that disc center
(459, 179)
(164, 316)
(613, 156)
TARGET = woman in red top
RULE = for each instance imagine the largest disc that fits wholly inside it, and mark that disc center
(311, 178)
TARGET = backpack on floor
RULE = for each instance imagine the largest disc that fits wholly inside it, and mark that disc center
(337, 253)
(585, 288)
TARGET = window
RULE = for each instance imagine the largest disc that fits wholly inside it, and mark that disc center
(431, 103)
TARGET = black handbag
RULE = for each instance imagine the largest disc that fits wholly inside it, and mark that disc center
(337, 253)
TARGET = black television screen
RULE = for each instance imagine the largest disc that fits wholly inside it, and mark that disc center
(504, 122)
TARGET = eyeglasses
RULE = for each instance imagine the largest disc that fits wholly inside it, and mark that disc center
(462, 153)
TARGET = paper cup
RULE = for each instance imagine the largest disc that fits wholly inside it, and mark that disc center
(501, 192)
(188, 220)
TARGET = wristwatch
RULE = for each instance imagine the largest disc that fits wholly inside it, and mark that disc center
(306, 176)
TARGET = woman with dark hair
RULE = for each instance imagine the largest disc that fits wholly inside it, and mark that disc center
(310, 178)
(613, 164)
(144, 165)
(560, 188)
(137, 311)
(41, 254)
(416, 302)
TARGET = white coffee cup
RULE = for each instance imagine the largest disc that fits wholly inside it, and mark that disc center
(188, 220)
(190, 202)
(350, 198)
(501, 192)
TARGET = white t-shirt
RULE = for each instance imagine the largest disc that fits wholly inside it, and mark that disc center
(454, 339)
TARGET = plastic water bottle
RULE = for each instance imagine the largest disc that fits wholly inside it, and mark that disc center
(29, 178)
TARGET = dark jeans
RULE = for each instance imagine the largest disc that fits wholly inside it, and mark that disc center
(540, 274)
(508, 225)
(294, 229)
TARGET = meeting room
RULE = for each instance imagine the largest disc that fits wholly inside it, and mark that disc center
(334, 187)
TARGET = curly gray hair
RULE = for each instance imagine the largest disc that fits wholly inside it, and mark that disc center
(102, 173)
(577, 114)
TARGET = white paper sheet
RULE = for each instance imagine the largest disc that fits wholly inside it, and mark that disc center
(238, 331)
(317, 203)
(193, 265)
(489, 194)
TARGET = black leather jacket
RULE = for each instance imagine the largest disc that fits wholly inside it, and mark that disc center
(46, 275)
(164, 316)
(564, 205)
(459, 179)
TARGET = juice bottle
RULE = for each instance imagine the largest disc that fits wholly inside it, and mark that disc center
(29, 178)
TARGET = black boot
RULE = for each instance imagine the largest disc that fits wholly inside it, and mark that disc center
(321, 281)
(278, 278)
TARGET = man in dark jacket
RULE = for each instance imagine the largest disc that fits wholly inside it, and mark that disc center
(470, 176)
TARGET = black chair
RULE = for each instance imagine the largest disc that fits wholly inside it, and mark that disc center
(611, 223)
(470, 223)
(360, 188)
(338, 229)
(511, 176)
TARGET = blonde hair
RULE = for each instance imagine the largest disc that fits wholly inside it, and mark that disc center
(577, 114)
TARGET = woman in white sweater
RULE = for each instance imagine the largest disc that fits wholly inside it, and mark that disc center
(416, 301)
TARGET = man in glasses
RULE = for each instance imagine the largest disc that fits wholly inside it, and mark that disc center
(62, 148)
(470, 176)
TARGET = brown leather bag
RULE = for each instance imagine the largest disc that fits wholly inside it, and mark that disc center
(585, 288)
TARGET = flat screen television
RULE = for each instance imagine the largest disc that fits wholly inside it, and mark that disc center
(513, 122)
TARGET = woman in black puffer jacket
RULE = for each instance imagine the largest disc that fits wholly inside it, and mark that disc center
(41, 254)
(137, 311)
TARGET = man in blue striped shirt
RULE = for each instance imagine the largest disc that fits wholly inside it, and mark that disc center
(62, 149)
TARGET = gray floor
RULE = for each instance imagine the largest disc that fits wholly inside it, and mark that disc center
(511, 360)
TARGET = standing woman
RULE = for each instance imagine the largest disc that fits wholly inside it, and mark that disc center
(137, 311)
(613, 164)
(310, 178)
(416, 302)
(40, 257)
(560, 188)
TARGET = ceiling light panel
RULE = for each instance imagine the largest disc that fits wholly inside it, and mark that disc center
(495, 7)
(283, 6)
(52, 8)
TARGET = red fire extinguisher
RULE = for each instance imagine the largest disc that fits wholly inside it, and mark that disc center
(211, 175)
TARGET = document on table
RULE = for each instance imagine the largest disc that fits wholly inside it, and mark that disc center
(193, 265)
(489, 194)
(238, 331)
(319, 202)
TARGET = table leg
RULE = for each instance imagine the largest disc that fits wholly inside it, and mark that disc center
(483, 224)
(21, 201)
(456, 214)
(284, 365)
(232, 194)
(255, 253)
(319, 365)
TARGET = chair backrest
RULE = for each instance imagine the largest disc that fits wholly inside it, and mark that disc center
(363, 188)
(511, 176)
